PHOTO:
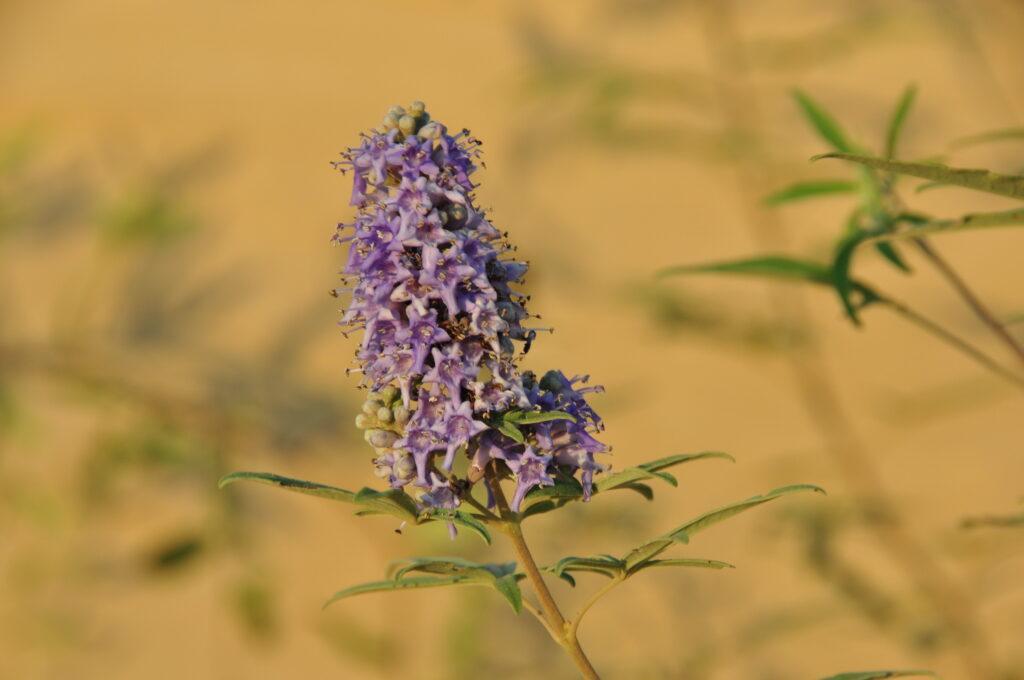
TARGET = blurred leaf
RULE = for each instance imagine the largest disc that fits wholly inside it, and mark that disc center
(825, 125)
(1011, 186)
(148, 216)
(1014, 318)
(1006, 134)
(771, 266)
(445, 571)
(533, 417)
(813, 189)
(175, 553)
(391, 501)
(880, 675)
(994, 521)
(889, 252)
(899, 117)
(253, 603)
(682, 532)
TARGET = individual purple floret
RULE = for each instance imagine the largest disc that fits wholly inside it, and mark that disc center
(431, 289)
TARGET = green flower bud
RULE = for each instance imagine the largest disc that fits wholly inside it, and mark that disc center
(385, 415)
(390, 121)
(363, 421)
(396, 111)
(417, 108)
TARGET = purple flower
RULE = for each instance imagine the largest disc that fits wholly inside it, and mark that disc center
(458, 428)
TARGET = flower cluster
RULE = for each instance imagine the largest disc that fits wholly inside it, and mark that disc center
(431, 289)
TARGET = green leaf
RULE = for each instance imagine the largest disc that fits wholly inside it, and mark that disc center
(1011, 186)
(683, 532)
(771, 266)
(301, 486)
(1006, 134)
(508, 587)
(411, 583)
(606, 565)
(685, 562)
(899, 116)
(889, 252)
(393, 502)
(444, 571)
(511, 431)
(651, 470)
(813, 189)
(822, 122)
(533, 417)
(459, 518)
(880, 675)
(783, 267)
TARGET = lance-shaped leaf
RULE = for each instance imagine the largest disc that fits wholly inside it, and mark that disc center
(781, 267)
(298, 485)
(822, 122)
(899, 117)
(444, 571)
(459, 518)
(605, 565)
(683, 562)
(567, 488)
(881, 675)
(653, 470)
(533, 417)
(682, 533)
(1011, 186)
(844, 284)
(802, 191)
(393, 502)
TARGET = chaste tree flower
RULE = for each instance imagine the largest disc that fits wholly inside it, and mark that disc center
(431, 288)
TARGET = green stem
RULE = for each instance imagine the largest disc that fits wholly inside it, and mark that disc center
(574, 624)
(556, 624)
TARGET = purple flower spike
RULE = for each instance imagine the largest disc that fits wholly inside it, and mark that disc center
(435, 298)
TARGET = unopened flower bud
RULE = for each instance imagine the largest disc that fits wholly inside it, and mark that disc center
(363, 421)
(390, 121)
(401, 414)
(380, 438)
(407, 124)
(396, 111)
(417, 108)
(405, 467)
(381, 471)
(371, 406)
(385, 415)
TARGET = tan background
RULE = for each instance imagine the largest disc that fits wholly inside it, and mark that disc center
(601, 182)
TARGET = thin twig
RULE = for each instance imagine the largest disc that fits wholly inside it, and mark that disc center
(968, 295)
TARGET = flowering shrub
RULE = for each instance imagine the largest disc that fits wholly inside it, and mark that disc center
(430, 286)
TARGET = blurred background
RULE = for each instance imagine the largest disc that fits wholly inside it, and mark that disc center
(166, 202)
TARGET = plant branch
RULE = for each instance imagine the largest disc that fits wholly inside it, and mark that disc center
(574, 624)
(953, 340)
(968, 295)
(555, 621)
(817, 391)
